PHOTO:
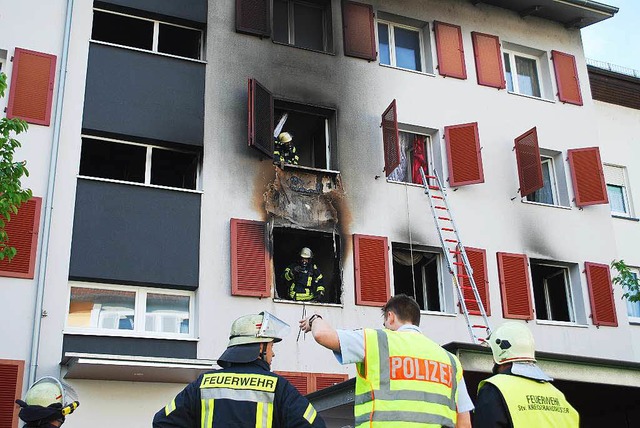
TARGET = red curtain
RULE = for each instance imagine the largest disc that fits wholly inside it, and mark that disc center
(419, 159)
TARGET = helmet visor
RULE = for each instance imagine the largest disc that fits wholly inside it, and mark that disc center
(273, 327)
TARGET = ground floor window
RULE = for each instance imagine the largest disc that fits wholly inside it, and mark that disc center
(418, 274)
(552, 292)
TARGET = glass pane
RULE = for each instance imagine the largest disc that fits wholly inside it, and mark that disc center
(281, 21)
(105, 159)
(179, 41)
(633, 308)
(407, 44)
(616, 198)
(308, 26)
(122, 30)
(507, 72)
(174, 169)
(383, 44)
(167, 313)
(544, 195)
(528, 82)
(108, 309)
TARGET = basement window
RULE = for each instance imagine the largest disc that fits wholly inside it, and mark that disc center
(287, 245)
(418, 274)
(304, 24)
(147, 34)
(139, 163)
(552, 292)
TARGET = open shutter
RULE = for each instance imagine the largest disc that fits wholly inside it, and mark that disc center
(513, 270)
(23, 236)
(31, 91)
(250, 273)
(301, 381)
(589, 186)
(489, 68)
(252, 17)
(370, 255)
(325, 380)
(566, 71)
(463, 154)
(603, 308)
(450, 50)
(478, 260)
(390, 138)
(358, 30)
(11, 373)
(529, 165)
(260, 118)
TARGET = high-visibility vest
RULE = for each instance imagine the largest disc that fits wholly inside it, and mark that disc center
(534, 404)
(404, 380)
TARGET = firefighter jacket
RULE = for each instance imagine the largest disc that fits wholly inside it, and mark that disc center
(241, 396)
(285, 153)
(406, 380)
(530, 403)
(305, 283)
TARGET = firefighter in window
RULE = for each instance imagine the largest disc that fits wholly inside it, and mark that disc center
(304, 278)
(284, 151)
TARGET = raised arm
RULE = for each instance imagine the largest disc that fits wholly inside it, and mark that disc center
(322, 332)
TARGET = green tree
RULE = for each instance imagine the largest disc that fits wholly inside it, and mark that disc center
(627, 279)
(12, 195)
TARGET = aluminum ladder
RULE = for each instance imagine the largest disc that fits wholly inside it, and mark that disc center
(452, 247)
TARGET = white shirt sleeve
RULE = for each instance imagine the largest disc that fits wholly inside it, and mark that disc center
(464, 400)
(351, 346)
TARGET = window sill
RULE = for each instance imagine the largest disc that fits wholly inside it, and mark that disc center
(438, 314)
(292, 302)
(136, 335)
(423, 73)
(532, 97)
(634, 321)
(308, 168)
(625, 217)
(405, 183)
(131, 183)
(98, 42)
(303, 48)
(561, 323)
(524, 201)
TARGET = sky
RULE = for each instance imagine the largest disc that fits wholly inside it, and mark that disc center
(616, 40)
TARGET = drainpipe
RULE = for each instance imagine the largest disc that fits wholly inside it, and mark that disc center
(48, 201)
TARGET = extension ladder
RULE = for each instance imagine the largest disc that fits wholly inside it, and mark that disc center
(452, 247)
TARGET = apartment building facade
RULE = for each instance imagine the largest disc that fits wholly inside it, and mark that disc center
(163, 217)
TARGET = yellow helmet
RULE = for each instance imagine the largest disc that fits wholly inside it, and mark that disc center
(306, 253)
(512, 342)
(44, 393)
(257, 328)
(285, 137)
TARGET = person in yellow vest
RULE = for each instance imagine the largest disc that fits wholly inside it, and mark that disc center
(404, 379)
(520, 394)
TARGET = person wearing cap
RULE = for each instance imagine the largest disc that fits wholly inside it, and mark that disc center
(284, 151)
(47, 403)
(244, 393)
(520, 394)
(304, 279)
(403, 378)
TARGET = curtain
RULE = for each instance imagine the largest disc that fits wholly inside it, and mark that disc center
(419, 159)
(401, 171)
(405, 259)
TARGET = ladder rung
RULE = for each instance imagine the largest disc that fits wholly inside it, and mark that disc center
(434, 188)
(430, 176)
(470, 300)
(437, 197)
(461, 275)
(465, 287)
(478, 326)
(454, 252)
(438, 207)
(447, 229)
(451, 240)
(444, 218)
(458, 264)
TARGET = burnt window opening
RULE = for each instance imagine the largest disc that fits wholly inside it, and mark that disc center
(138, 163)
(147, 34)
(287, 246)
(552, 292)
(303, 23)
(417, 274)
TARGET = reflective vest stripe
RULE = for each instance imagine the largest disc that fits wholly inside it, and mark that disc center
(206, 413)
(404, 416)
(238, 395)
(170, 407)
(408, 395)
(264, 415)
(310, 414)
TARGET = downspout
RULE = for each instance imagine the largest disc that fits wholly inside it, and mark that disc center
(48, 202)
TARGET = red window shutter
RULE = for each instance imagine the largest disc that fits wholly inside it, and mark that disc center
(302, 381)
(529, 165)
(23, 236)
(325, 380)
(260, 114)
(450, 50)
(11, 373)
(603, 308)
(478, 260)
(587, 176)
(370, 255)
(566, 71)
(358, 30)
(253, 17)
(31, 90)
(463, 154)
(513, 270)
(489, 68)
(250, 273)
(390, 138)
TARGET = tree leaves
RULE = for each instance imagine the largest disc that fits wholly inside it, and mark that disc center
(627, 279)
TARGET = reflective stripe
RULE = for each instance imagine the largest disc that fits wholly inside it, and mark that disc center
(238, 395)
(407, 395)
(454, 379)
(206, 413)
(170, 407)
(264, 415)
(310, 414)
(396, 416)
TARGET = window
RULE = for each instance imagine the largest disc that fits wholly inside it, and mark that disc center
(137, 163)
(147, 34)
(527, 71)
(415, 152)
(400, 46)
(549, 192)
(305, 24)
(619, 201)
(3, 60)
(130, 310)
(552, 292)
(633, 308)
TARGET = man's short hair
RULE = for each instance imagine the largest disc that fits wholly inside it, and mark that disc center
(405, 308)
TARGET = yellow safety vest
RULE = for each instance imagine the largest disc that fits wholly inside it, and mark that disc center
(406, 380)
(534, 404)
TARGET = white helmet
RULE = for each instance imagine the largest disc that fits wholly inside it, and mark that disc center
(512, 342)
(260, 328)
(306, 253)
(285, 137)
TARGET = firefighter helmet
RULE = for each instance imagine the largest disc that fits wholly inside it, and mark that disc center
(257, 328)
(306, 253)
(285, 137)
(512, 342)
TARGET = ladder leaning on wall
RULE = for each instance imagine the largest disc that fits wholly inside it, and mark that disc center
(454, 253)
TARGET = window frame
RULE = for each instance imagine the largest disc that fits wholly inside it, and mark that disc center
(139, 312)
(553, 183)
(148, 166)
(326, 25)
(633, 319)
(629, 213)
(547, 302)
(155, 36)
(392, 46)
(513, 67)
